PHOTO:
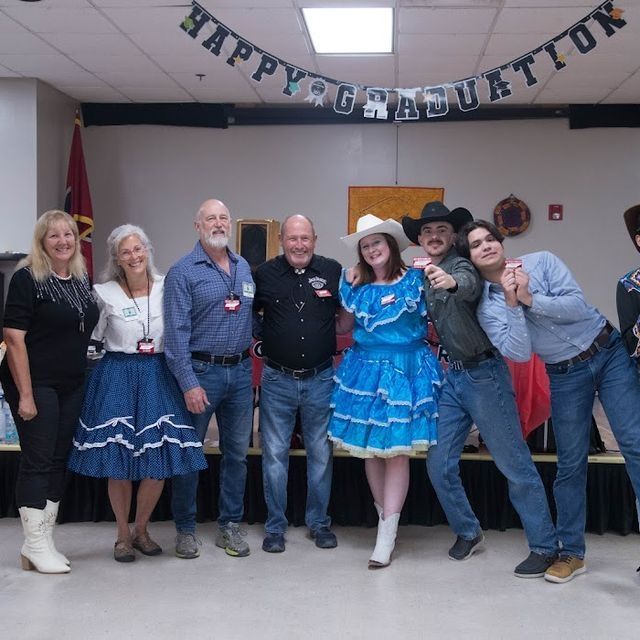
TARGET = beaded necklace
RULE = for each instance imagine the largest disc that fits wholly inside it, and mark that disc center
(71, 291)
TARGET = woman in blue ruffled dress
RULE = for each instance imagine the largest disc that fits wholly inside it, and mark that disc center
(134, 424)
(385, 403)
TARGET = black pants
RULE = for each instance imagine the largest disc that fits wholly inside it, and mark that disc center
(45, 443)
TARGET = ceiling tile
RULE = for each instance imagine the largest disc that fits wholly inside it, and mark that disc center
(440, 45)
(534, 20)
(93, 94)
(92, 44)
(18, 43)
(133, 64)
(136, 78)
(7, 73)
(36, 63)
(155, 20)
(151, 94)
(451, 21)
(51, 19)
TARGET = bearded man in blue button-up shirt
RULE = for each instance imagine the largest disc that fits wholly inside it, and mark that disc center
(208, 296)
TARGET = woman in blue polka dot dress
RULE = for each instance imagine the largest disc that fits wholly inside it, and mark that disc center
(134, 424)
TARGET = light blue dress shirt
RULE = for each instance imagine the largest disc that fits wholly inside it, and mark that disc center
(559, 325)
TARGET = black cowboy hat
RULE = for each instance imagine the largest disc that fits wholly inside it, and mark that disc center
(632, 220)
(435, 212)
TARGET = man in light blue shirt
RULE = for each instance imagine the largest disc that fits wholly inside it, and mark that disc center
(534, 305)
(208, 296)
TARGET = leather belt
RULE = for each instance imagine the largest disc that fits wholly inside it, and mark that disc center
(460, 365)
(299, 374)
(225, 361)
(597, 345)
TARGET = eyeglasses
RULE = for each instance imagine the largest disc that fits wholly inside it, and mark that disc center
(136, 252)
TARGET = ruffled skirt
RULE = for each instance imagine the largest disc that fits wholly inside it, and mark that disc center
(134, 422)
(385, 402)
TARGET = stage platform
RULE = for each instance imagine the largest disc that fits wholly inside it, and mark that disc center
(610, 496)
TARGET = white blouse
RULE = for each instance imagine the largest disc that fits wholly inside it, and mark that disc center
(121, 323)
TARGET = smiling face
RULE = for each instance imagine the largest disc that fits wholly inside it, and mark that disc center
(485, 251)
(436, 238)
(375, 251)
(214, 224)
(59, 244)
(132, 257)
(298, 241)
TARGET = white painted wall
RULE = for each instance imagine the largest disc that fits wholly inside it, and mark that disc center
(157, 177)
(36, 125)
(55, 117)
(18, 166)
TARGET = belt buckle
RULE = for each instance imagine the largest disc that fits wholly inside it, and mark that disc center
(456, 365)
(297, 373)
(229, 360)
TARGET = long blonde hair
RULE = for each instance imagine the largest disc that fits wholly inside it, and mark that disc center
(38, 259)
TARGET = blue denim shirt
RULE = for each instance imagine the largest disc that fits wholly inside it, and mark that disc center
(194, 316)
(559, 325)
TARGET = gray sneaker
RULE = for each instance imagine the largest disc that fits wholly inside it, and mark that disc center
(230, 538)
(187, 545)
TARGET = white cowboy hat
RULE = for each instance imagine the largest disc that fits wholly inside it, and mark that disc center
(370, 224)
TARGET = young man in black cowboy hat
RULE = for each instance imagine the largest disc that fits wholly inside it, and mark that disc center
(478, 390)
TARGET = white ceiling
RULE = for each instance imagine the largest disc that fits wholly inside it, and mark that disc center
(134, 50)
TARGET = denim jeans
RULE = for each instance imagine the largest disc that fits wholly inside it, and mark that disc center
(45, 442)
(230, 396)
(612, 374)
(281, 397)
(484, 395)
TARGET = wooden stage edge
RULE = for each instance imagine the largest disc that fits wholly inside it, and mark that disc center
(601, 458)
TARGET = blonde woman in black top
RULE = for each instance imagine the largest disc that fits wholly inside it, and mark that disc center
(49, 317)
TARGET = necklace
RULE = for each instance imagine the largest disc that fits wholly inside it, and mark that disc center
(72, 291)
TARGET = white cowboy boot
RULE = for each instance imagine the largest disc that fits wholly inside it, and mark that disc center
(36, 553)
(385, 542)
(50, 516)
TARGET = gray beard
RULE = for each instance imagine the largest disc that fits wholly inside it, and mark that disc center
(217, 242)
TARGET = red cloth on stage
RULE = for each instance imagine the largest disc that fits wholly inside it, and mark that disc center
(533, 397)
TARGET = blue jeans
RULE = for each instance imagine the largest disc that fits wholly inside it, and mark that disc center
(230, 396)
(280, 398)
(612, 374)
(484, 395)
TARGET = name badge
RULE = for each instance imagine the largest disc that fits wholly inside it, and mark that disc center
(248, 289)
(231, 304)
(323, 293)
(130, 312)
(385, 300)
(146, 346)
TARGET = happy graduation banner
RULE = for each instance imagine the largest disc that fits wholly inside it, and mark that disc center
(435, 99)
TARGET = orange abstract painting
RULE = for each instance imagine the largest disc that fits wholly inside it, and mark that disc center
(389, 202)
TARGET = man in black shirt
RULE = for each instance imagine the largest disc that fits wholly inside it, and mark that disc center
(297, 294)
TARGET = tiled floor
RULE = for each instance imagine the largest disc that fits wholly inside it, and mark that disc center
(310, 593)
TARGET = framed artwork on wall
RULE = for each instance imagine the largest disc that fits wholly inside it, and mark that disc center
(389, 202)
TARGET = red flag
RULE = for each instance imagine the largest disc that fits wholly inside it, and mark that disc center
(77, 200)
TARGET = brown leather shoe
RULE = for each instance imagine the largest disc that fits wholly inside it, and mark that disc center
(144, 544)
(123, 551)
